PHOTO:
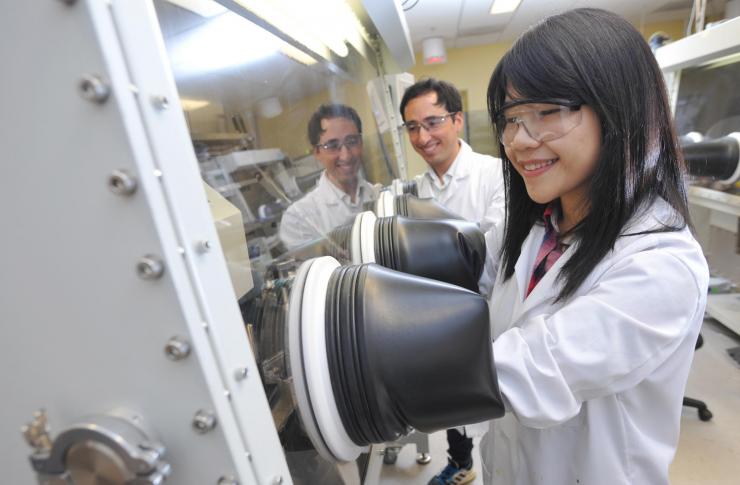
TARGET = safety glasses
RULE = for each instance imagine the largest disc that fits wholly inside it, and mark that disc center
(335, 146)
(543, 119)
(430, 123)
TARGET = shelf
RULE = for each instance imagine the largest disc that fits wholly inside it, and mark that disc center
(234, 161)
(725, 309)
(714, 199)
(220, 137)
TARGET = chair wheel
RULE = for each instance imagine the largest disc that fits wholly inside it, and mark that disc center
(705, 414)
(390, 455)
(423, 458)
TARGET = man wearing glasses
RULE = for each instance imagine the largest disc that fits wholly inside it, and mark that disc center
(467, 183)
(335, 133)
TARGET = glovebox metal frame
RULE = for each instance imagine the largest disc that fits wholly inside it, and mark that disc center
(82, 333)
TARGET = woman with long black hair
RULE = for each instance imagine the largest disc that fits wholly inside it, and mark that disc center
(601, 287)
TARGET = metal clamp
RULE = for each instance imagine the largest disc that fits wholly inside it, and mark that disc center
(109, 447)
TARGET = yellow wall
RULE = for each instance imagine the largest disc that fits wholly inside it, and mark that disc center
(470, 68)
(674, 28)
(288, 131)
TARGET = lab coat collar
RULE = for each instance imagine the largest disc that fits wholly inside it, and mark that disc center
(341, 196)
(648, 218)
(460, 168)
(548, 287)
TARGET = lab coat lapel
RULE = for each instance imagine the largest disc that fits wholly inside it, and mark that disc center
(548, 287)
(523, 268)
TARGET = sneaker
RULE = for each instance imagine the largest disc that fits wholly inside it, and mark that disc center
(454, 475)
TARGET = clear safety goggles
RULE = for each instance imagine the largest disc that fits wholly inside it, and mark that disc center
(334, 145)
(542, 119)
(430, 123)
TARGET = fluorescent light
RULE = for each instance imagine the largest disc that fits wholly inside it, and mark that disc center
(204, 8)
(504, 6)
(296, 54)
(193, 104)
(319, 25)
(226, 41)
(273, 14)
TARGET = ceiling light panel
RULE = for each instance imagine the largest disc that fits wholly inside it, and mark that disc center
(504, 6)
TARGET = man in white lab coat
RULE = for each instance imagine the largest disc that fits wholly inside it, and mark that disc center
(467, 183)
(335, 133)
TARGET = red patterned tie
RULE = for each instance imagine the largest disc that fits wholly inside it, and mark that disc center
(549, 252)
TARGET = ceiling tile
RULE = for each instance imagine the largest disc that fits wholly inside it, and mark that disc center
(467, 22)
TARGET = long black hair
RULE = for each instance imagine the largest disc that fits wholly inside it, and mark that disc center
(597, 58)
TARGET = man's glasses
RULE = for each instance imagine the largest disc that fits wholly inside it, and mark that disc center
(542, 119)
(335, 146)
(430, 123)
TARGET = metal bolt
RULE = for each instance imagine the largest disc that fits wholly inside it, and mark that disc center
(122, 183)
(277, 480)
(94, 89)
(160, 476)
(204, 421)
(149, 267)
(160, 102)
(203, 246)
(177, 348)
(240, 373)
(227, 480)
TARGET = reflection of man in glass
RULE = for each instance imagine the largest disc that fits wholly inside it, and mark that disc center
(335, 132)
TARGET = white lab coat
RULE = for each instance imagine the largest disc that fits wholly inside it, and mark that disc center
(473, 188)
(594, 386)
(324, 208)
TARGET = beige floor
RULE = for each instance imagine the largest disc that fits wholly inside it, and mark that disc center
(708, 452)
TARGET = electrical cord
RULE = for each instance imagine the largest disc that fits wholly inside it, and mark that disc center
(403, 5)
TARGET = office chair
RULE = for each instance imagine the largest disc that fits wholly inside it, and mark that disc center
(704, 413)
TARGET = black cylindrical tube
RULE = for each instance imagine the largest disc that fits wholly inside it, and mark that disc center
(405, 351)
(411, 206)
(713, 158)
(453, 251)
(410, 187)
